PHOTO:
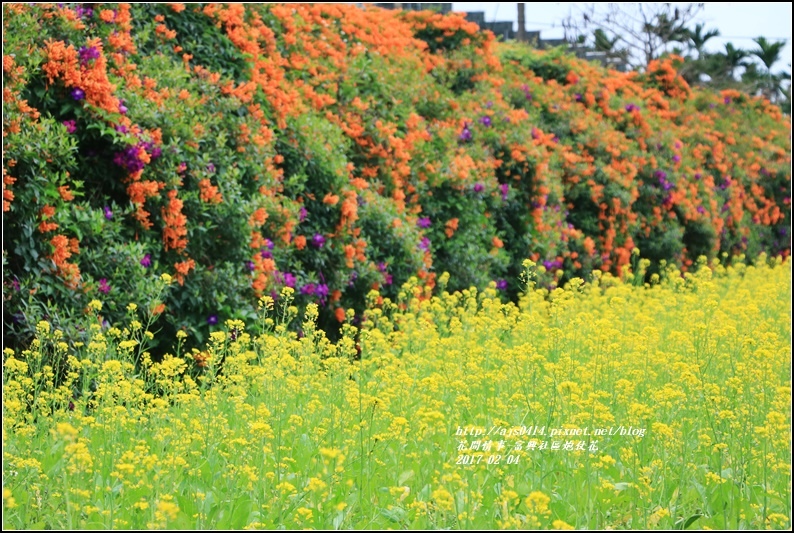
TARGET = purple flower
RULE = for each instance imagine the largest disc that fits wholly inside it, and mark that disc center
(485, 121)
(289, 279)
(308, 289)
(501, 284)
(382, 267)
(318, 240)
(478, 187)
(266, 254)
(146, 262)
(83, 12)
(128, 159)
(676, 158)
(505, 190)
(660, 175)
(701, 209)
(488, 105)
(577, 97)
(270, 245)
(632, 107)
(210, 168)
(88, 53)
(698, 176)
(251, 266)
(727, 100)
(108, 213)
(424, 222)
(78, 94)
(123, 109)
(424, 244)
(352, 279)
(302, 214)
(156, 152)
(71, 125)
(104, 286)
(212, 320)
(387, 279)
(322, 291)
(465, 135)
(121, 129)
(667, 186)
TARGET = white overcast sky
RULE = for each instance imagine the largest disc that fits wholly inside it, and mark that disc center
(738, 22)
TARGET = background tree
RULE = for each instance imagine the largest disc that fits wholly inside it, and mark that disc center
(734, 58)
(645, 30)
(697, 39)
(769, 54)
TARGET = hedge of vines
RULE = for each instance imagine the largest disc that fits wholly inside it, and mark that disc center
(332, 149)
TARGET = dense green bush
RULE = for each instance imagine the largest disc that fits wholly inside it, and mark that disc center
(241, 149)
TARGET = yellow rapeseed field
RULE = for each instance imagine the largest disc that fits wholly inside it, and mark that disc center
(607, 404)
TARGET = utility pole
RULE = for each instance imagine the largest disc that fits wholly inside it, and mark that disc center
(522, 36)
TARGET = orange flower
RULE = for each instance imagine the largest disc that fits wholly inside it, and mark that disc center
(65, 193)
(300, 242)
(175, 230)
(209, 193)
(182, 270)
(258, 217)
(331, 199)
(451, 227)
(350, 253)
(61, 249)
(339, 313)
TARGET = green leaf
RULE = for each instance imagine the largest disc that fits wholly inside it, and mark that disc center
(684, 524)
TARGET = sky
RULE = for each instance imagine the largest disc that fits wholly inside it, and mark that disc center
(738, 22)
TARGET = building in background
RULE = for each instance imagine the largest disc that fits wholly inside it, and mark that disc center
(503, 30)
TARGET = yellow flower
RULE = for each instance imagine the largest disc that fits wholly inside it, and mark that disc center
(8, 499)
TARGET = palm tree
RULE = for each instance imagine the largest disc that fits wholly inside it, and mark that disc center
(697, 39)
(734, 58)
(769, 54)
(696, 65)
